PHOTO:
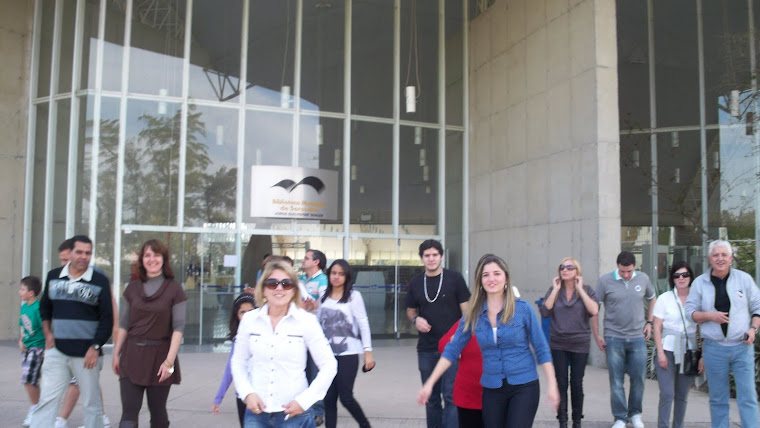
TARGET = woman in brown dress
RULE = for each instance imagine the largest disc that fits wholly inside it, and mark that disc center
(151, 324)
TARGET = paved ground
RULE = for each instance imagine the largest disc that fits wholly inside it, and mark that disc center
(387, 394)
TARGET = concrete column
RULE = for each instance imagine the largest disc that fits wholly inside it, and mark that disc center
(16, 23)
(544, 172)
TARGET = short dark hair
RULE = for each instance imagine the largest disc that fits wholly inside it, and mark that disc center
(80, 238)
(626, 258)
(431, 243)
(67, 244)
(33, 284)
(676, 266)
(319, 257)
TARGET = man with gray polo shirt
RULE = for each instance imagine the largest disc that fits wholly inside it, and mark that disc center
(626, 330)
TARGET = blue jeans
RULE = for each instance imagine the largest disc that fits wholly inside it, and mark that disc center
(719, 361)
(626, 355)
(438, 417)
(318, 408)
(274, 420)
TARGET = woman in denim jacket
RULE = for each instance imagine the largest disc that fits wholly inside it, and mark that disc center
(506, 328)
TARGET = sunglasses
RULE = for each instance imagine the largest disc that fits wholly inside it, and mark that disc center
(271, 283)
(681, 275)
(568, 267)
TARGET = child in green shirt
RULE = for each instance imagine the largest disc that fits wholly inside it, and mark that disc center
(32, 341)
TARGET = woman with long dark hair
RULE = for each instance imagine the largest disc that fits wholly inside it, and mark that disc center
(344, 321)
(674, 333)
(569, 304)
(508, 333)
(151, 324)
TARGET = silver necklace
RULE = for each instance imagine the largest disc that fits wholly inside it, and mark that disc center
(440, 282)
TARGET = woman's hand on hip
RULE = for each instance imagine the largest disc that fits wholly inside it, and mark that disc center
(254, 403)
(292, 408)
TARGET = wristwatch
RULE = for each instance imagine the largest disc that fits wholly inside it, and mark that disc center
(414, 320)
(96, 346)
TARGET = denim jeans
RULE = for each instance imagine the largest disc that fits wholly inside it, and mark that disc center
(274, 420)
(511, 405)
(318, 408)
(719, 361)
(626, 355)
(674, 387)
(575, 362)
(437, 416)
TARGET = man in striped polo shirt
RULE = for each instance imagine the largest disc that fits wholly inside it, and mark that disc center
(77, 319)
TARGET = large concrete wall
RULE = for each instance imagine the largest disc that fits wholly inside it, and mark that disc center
(15, 50)
(544, 167)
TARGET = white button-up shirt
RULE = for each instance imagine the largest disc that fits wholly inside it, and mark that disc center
(271, 363)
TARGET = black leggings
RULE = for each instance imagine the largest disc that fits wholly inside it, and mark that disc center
(511, 405)
(241, 411)
(132, 399)
(343, 387)
(470, 418)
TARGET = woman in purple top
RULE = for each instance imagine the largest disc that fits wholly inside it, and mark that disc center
(243, 303)
(569, 304)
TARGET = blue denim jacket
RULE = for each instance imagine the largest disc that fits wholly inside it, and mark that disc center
(510, 357)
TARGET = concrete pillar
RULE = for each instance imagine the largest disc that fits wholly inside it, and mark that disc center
(544, 172)
(16, 23)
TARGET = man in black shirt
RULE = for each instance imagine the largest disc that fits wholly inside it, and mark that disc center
(435, 301)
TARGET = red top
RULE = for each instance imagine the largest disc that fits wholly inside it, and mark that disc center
(468, 393)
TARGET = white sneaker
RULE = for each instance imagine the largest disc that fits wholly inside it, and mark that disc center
(619, 424)
(61, 423)
(636, 421)
(28, 420)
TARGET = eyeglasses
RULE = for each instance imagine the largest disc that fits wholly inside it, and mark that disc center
(568, 267)
(271, 283)
(681, 275)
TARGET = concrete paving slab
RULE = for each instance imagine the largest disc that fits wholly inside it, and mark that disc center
(387, 393)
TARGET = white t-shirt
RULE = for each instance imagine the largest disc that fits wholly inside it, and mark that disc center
(669, 309)
(344, 323)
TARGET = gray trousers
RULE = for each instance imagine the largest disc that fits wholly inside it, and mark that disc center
(674, 387)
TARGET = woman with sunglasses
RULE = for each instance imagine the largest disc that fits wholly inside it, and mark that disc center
(344, 320)
(569, 304)
(674, 333)
(269, 360)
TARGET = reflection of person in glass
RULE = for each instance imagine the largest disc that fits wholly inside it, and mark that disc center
(152, 322)
(674, 333)
(508, 333)
(570, 304)
(723, 292)
(343, 318)
(269, 360)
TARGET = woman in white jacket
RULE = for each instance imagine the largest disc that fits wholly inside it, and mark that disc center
(269, 359)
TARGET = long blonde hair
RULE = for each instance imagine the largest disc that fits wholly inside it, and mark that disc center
(478, 296)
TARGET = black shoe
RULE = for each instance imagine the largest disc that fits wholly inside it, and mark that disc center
(576, 424)
(562, 424)
(319, 420)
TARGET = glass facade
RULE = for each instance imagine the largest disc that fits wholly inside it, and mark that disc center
(149, 116)
(689, 141)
